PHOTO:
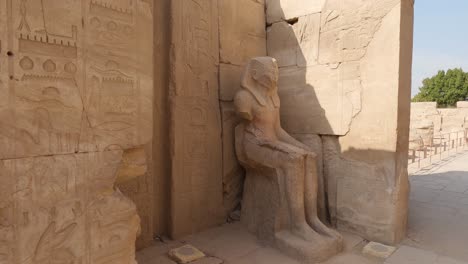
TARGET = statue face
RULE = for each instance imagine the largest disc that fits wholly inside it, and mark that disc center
(266, 74)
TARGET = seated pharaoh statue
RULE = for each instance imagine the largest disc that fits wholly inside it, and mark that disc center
(280, 192)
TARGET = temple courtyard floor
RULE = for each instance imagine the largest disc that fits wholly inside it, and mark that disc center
(437, 231)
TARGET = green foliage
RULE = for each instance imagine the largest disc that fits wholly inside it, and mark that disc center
(445, 88)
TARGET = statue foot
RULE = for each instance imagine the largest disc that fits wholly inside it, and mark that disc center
(305, 232)
(322, 229)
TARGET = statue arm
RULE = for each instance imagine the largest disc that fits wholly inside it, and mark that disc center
(243, 104)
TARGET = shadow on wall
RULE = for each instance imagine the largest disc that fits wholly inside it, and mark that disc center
(300, 108)
(363, 190)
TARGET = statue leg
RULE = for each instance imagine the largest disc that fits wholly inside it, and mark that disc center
(310, 195)
(293, 177)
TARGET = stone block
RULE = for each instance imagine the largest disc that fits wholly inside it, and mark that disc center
(453, 119)
(186, 254)
(134, 164)
(295, 45)
(282, 10)
(242, 30)
(196, 144)
(347, 28)
(229, 79)
(378, 250)
(309, 102)
(462, 104)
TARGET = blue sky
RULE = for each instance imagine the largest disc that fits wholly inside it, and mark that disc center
(440, 38)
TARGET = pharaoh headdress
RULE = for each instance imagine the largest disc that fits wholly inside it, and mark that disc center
(250, 84)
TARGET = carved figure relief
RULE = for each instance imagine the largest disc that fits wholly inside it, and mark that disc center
(55, 197)
(114, 90)
(45, 104)
(280, 193)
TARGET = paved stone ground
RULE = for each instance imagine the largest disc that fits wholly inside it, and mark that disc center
(438, 229)
(438, 215)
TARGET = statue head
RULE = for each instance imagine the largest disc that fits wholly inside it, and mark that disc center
(261, 79)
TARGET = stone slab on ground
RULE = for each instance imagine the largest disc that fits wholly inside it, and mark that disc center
(378, 250)
(186, 254)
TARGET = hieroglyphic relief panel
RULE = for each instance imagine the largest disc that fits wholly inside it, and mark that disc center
(43, 113)
(197, 159)
(118, 91)
(54, 201)
(118, 75)
(65, 210)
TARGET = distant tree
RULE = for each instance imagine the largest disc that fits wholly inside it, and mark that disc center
(445, 88)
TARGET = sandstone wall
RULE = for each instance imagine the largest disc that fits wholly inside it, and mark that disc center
(211, 42)
(453, 119)
(428, 121)
(242, 37)
(344, 75)
(425, 122)
(76, 96)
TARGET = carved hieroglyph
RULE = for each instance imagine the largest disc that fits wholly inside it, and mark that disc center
(196, 193)
(280, 193)
(75, 91)
(64, 209)
(71, 89)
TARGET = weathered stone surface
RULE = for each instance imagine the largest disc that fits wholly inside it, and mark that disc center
(134, 164)
(118, 98)
(67, 210)
(374, 151)
(425, 123)
(453, 119)
(462, 104)
(280, 192)
(242, 36)
(423, 114)
(309, 100)
(185, 254)
(196, 144)
(378, 250)
(229, 81)
(350, 183)
(278, 10)
(77, 85)
(242, 30)
(348, 27)
(295, 45)
(421, 133)
(134, 179)
(356, 87)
